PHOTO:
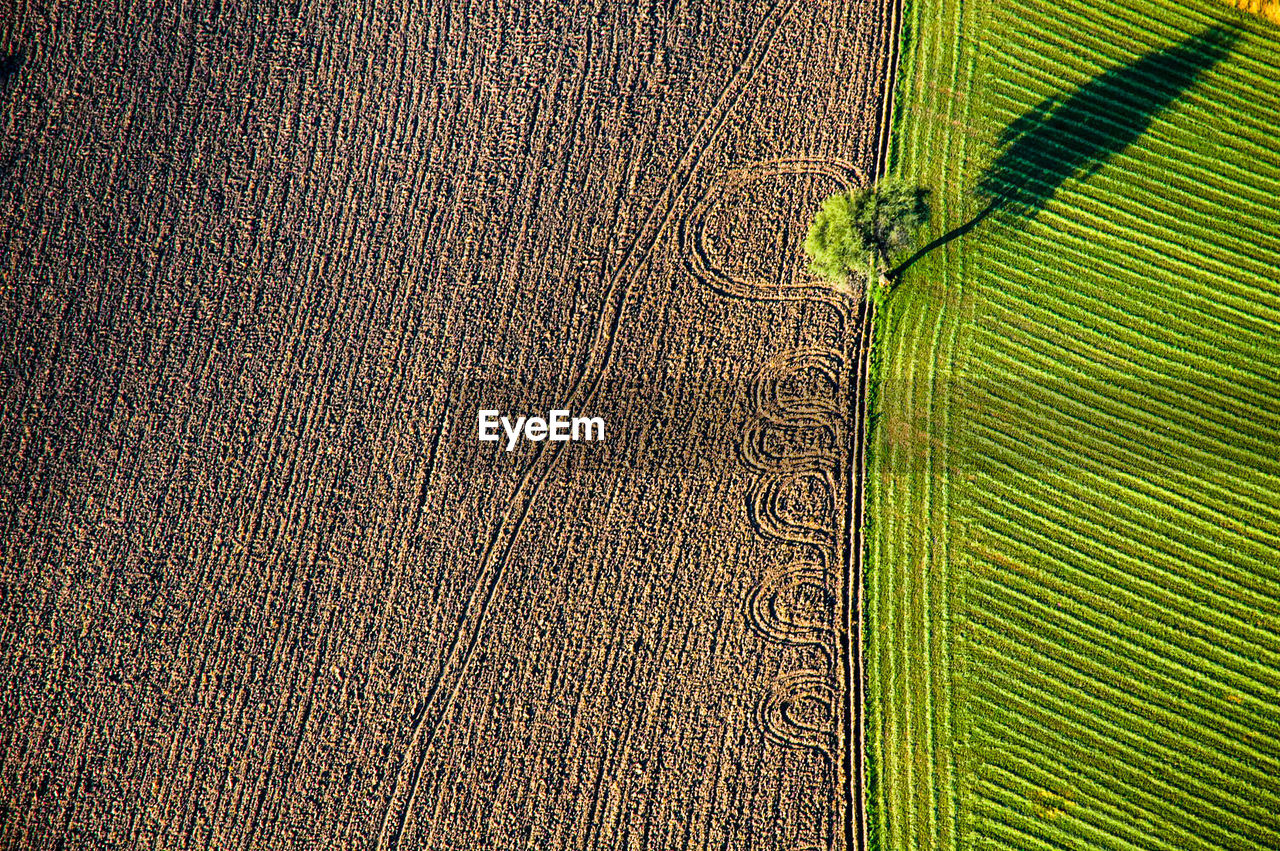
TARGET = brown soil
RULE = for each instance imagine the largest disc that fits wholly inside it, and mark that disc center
(260, 585)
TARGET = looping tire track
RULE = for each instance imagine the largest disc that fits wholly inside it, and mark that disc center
(757, 450)
(767, 508)
(702, 261)
(844, 539)
(777, 712)
(764, 599)
(430, 713)
(782, 416)
(833, 446)
(757, 454)
(772, 403)
(799, 436)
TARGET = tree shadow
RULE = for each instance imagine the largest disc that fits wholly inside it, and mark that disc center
(1069, 135)
(9, 65)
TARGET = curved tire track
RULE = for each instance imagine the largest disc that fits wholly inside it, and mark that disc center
(702, 261)
(767, 597)
(779, 712)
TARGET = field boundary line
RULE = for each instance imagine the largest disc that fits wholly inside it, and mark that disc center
(854, 756)
(856, 827)
(883, 136)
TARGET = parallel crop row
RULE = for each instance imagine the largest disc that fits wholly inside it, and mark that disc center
(1077, 459)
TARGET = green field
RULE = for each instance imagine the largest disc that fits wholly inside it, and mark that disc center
(1073, 582)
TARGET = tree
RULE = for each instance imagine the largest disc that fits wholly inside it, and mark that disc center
(862, 228)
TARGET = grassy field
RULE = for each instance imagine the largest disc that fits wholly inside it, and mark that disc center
(1072, 600)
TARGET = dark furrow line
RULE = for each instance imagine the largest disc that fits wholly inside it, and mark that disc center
(432, 454)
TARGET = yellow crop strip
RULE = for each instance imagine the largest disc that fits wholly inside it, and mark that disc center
(1268, 9)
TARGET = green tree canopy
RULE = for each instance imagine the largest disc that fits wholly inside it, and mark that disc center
(862, 228)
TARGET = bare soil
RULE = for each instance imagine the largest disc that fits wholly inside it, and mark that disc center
(260, 265)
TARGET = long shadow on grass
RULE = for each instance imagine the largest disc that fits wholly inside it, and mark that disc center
(1075, 134)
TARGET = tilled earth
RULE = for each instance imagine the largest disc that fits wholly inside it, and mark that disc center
(260, 265)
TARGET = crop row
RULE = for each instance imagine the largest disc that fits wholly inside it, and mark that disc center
(1080, 317)
(1088, 738)
(1141, 489)
(1111, 219)
(911, 599)
(1072, 495)
(1092, 503)
(1073, 393)
(1186, 439)
(1126, 638)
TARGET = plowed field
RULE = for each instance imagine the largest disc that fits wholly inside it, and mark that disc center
(261, 265)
